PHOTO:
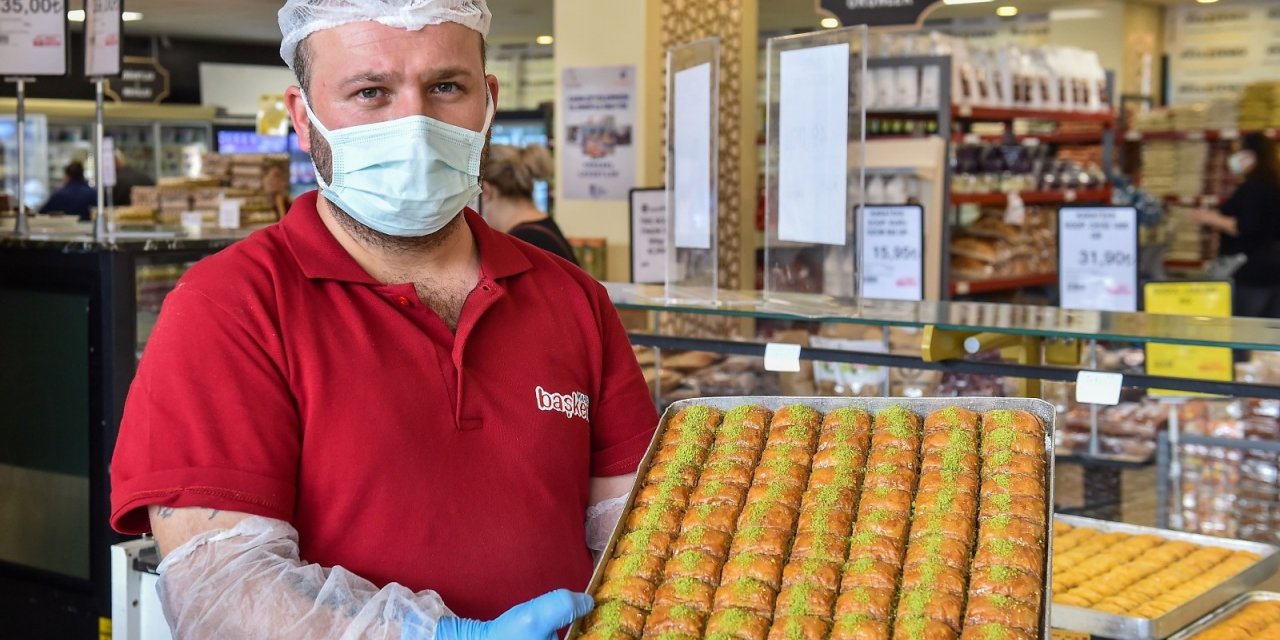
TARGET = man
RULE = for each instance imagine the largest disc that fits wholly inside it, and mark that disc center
(379, 414)
(127, 177)
(75, 197)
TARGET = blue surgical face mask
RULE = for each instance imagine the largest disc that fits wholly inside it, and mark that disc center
(407, 177)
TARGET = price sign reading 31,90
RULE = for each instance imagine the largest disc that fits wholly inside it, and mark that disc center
(33, 37)
(892, 241)
(1098, 258)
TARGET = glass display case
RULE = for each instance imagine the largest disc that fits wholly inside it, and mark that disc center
(39, 184)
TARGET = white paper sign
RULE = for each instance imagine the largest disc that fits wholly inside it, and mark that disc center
(782, 357)
(33, 37)
(229, 213)
(1098, 258)
(101, 37)
(813, 145)
(649, 236)
(108, 159)
(892, 241)
(692, 145)
(597, 133)
(1097, 387)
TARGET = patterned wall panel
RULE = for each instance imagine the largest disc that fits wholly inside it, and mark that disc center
(685, 21)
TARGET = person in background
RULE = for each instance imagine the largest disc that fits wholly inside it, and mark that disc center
(506, 197)
(1250, 225)
(276, 185)
(75, 197)
(127, 177)
(380, 418)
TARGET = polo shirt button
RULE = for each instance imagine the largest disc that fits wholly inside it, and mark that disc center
(485, 287)
(404, 302)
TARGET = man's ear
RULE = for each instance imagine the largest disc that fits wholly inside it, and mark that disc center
(298, 116)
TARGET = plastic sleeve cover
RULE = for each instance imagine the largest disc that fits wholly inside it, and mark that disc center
(248, 582)
(602, 517)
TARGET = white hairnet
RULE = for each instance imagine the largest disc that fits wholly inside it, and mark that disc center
(301, 18)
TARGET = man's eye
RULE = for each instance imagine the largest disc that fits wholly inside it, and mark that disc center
(370, 94)
(446, 87)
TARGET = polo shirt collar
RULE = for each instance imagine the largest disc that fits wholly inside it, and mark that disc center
(321, 257)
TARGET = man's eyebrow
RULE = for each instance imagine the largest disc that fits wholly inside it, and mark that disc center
(448, 73)
(372, 77)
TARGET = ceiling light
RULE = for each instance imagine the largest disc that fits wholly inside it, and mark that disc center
(829, 23)
(76, 15)
(1206, 1)
(1075, 13)
(131, 16)
(1007, 11)
(544, 40)
(965, 1)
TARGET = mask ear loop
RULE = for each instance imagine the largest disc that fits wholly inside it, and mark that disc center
(324, 133)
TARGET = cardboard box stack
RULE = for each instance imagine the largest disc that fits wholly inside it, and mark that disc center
(1260, 107)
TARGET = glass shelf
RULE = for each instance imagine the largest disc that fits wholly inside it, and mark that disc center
(1260, 334)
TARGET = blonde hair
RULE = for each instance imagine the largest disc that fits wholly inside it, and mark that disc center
(512, 171)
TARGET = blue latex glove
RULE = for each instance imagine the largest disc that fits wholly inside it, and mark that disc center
(537, 619)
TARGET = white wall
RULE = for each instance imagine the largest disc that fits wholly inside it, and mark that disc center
(236, 87)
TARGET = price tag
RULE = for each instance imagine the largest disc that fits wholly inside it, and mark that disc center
(1069, 195)
(108, 160)
(1015, 212)
(1229, 134)
(649, 236)
(1098, 258)
(33, 37)
(1097, 387)
(1205, 299)
(782, 357)
(966, 110)
(892, 242)
(229, 213)
(102, 26)
(1133, 136)
(1195, 136)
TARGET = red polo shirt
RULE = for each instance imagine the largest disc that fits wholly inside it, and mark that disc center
(282, 380)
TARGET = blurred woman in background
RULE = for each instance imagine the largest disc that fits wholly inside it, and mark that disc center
(1250, 225)
(506, 198)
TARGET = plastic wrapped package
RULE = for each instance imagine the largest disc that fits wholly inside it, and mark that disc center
(248, 582)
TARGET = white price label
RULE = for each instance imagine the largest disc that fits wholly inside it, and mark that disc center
(33, 37)
(101, 37)
(782, 357)
(1096, 387)
(1098, 258)
(229, 213)
(1015, 211)
(1195, 136)
(892, 241)
(649, 236)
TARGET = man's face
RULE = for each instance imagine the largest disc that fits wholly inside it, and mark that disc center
(367, 72)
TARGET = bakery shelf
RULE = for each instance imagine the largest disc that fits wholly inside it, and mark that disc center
(1044, 138)
(991, 285)
(999, 114)
(1211, 135)
(1034, 197)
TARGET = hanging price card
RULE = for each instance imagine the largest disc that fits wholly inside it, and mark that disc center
(102, 28)
(892, 242)
(33, 37)
(1098, 258)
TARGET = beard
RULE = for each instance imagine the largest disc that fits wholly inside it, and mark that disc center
(322, 156)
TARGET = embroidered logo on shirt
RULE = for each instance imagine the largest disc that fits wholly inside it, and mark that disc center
(572, 405)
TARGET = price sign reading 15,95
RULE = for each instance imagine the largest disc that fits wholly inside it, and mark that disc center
(892, 241)
(33, 37)
(1098, 258)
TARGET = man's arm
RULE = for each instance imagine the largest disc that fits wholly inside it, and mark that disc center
(608, 497)
(605, 488)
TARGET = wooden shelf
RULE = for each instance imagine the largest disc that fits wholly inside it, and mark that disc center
(1210, 135)
(996, 114)
(992, 285)
(1034, 197)
(1047, 138)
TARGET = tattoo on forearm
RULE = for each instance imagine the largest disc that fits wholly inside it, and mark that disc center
(164, 512)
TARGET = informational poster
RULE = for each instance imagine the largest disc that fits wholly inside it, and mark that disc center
(878, 13)
(103, 23)
(1210, 299)
(691, 146)
(596, 135)
(1098, 258)
(33, 37)
(1216, 50)
(813, 145)
(892, 241)
(648, 236)
(846, 378)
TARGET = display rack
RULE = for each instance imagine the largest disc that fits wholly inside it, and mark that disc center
(954, 124)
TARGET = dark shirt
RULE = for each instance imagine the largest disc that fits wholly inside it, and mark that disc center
(545, 234)
(74, 198)
(126, 179)
(1256, 207)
